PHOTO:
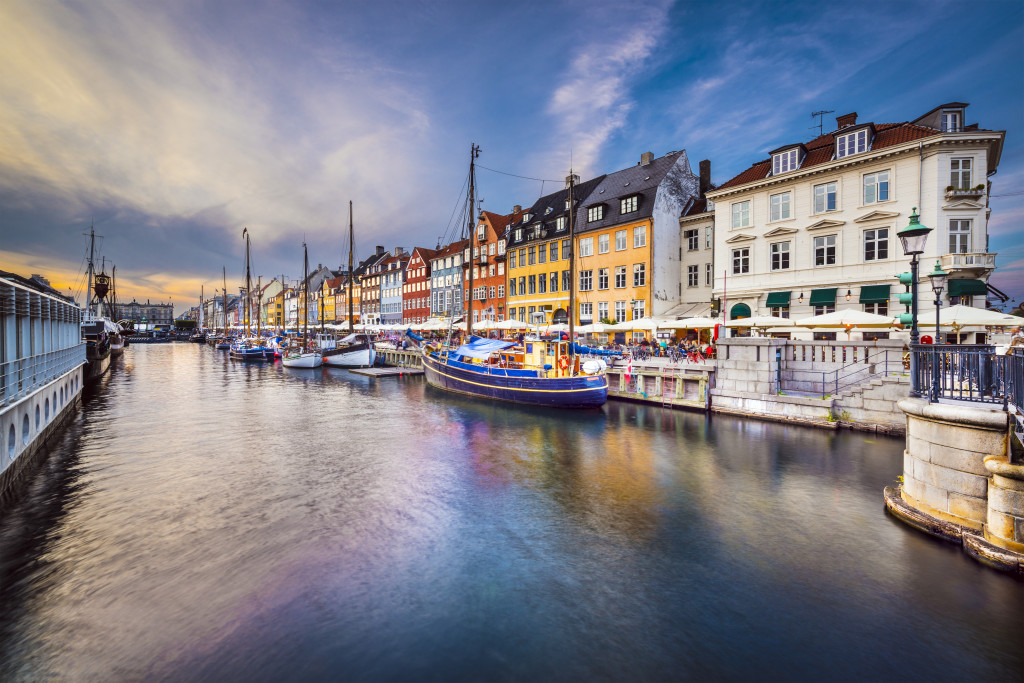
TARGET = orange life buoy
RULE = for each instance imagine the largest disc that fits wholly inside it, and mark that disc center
(563, 362)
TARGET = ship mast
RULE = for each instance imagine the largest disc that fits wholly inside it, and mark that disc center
(88, 292)
(305, 298)
(225, 301)
(246, 313)
(474, 152)
(351, 327)
(572, 271)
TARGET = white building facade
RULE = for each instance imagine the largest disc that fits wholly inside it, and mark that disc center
(814, 228)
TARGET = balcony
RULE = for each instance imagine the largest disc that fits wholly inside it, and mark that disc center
(965, 192)
(975, 263)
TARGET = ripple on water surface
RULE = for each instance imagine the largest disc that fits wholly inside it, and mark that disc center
(204, 518)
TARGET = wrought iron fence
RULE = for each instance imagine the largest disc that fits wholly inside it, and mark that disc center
(21, 377)
(969, 373)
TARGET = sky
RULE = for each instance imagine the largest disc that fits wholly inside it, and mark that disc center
(170, 127)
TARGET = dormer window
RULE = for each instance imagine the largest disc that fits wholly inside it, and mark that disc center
(785, 161)
(566, 204)
(952, 120)
(852, 143)
(629, 204)
(526, 218)
(519, 235)
(560, 223)
(595, 213)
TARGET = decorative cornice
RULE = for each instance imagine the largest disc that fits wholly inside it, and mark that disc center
(877, 216)
(739, 238)
(778, 232)
(825, 223)
(963, 205)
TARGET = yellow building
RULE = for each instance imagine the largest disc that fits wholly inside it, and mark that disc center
(627, 235)
(538, 253)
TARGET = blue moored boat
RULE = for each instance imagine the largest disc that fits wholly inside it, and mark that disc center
(537, 373)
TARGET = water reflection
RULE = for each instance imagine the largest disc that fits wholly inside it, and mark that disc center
(208, 519)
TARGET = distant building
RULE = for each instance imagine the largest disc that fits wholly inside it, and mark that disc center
(487, 300)
(145, 313)
(416, 294)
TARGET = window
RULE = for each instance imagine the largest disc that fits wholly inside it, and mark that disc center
(542, 254)
(586, 246)
(566, 280)
(490, 248)
(560, 223)
(501, 247)
(959, 236)
(691, 276)
(951, 121)
(542, 284)
(628, 205)
(639, 274)
(708, 237)
(960, 174)
(780, 206)
(501, 291)
(779, 311)
(586, 280)
(595, 213)
(692, 238)
(878, 308)
(566, 247)
(554, 282)
(533, 284)
(741, 261)
(825, 250)
(822, 310)
(553, 252)
(620, 277)
(602, 278)
(741, 215)
(620, 240)
(532, 253)
(639, 236)
(602, 244)
(707, 274)
(586, 311)
(876, 244)
(780, 256)
(602, 310)
(639, 307)
(522, 286)
(852, 143)
(876, 187)
(784, 161)
(501, 269)
(824, 198)
(620, 311)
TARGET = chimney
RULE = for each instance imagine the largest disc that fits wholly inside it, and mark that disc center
(846, 120)
(573, 179)
(646, 158)
(380, 250)
(516, 208)
(705, 176)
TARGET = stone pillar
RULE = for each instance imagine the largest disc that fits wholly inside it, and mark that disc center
(944, 469)
(1005, 521)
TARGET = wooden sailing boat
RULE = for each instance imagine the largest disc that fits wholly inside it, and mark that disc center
(303, 357)
(537, 372)
(356, 350)
(244, 348)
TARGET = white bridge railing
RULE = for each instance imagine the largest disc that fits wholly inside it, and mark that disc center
(21, 377)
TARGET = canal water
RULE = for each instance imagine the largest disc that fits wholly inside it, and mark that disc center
(206, 519)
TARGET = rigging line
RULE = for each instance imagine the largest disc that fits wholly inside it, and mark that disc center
(514, 175)
(458, 201)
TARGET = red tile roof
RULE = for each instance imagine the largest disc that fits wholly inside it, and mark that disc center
(821, 149)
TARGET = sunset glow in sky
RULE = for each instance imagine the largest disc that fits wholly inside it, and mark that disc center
(171, 126)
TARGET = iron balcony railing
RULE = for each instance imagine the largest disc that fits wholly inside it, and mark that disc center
(973, 373)
(22, 376)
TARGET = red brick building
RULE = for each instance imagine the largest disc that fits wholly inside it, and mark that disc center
(416, 291)
(488, 263)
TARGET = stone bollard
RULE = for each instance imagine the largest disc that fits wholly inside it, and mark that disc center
(1005, 523)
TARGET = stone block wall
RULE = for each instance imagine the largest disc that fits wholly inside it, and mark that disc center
(1004, 524)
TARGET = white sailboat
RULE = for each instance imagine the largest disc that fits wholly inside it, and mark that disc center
(302, 357)
(355, 350)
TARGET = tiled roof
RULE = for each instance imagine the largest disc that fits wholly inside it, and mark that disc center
(821, 149)
(696, 206)
(451, 249)
(498, 221)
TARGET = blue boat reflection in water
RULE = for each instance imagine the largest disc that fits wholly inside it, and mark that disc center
(322, 525)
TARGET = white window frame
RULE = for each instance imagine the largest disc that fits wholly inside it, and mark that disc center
(629, 204)
(692, 276)
(825, 246)
(602, 279)
(639, 308)
(586, 281)
(821, 195)
(586, 310)
(708, 274)
(784, 161)
(620, 276)
(602, 310)
(952, 121)
(639, 236)
(620, 311)
(880, 242)
(960, 168)
(620, 240)
(784, 252)
(852, 143)
(586, 247)
(639, 274)
(595, 213)
(603, 246)
(741, 214)
(741, 261)
(780, 206)
(959, 235)
(877, 181)
(560, 223)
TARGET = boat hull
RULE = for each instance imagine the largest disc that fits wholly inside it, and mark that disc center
(305, 360)
(248, 354)
(359, 356)
(584, 391)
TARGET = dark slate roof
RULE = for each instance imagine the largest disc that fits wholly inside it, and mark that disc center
(821, 149)
(544, 211)
(696, 206)
(642, 180)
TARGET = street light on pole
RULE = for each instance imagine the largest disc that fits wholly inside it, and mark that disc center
(938, 279)
(913, 238)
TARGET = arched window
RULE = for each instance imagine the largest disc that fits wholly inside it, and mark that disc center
(739, 311)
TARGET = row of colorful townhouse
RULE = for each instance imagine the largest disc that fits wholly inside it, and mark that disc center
(807, 230)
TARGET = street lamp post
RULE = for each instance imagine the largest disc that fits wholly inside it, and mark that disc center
(913, 238)
(938, 279)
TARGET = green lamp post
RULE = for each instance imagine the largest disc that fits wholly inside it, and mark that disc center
(914, 237)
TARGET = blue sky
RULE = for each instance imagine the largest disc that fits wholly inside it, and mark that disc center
(173, 125)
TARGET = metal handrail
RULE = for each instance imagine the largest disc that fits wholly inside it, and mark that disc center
(835, 381)
(22, 376)
(972, 373)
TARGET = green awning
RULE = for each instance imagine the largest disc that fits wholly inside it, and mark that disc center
(739, 311)
(823, 297)
(967, 287)
(777, 300)
(874, 294)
